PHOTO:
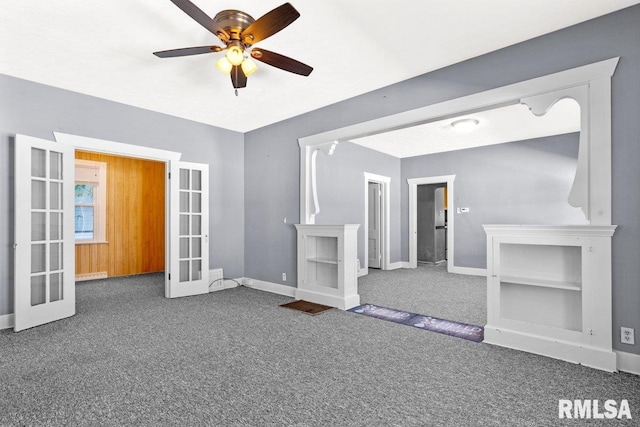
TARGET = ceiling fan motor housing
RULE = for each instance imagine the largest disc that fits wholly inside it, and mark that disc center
(234, 22)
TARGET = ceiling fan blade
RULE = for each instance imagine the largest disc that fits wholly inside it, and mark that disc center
(281, 61)
(238, 78)
(202, 18)
(186, 51)
(270, 23)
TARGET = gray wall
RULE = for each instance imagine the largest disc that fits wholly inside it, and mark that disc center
(340, 183)
(38, 110)
(524, 182)
(272, 152)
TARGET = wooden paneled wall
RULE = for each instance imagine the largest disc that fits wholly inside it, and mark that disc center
(135, 219)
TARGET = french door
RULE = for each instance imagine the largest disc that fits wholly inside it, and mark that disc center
(44, 232)
(189, 234)
(45, 240)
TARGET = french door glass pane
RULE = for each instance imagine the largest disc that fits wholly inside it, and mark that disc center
(55, 165)
(38, 163)
(196, 269)
(38, 289)
(196, 247)
(184, 179)
(197, 180)
(38, 194)
(55, 287)
(55, 226)
(184, 201)
(55, 256)
(38, 226)
(196, 205)
(184, 225)
(196, 225)
(38, 258)
(184, 271)
(55, 196)
(184, 247)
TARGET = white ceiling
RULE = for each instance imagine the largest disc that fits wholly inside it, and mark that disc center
(104, 48)
(496, 126)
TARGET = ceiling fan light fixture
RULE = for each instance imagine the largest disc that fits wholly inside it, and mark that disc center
(224, 65)
(249, 67)
(465, 125)
(235, 55)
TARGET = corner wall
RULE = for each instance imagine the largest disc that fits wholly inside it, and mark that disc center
(39, 110)
(271, 247)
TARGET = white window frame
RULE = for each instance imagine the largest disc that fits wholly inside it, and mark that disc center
(94, 173)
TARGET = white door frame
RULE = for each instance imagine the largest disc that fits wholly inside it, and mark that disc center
(385, 215)
(413, 217)
(170, 158)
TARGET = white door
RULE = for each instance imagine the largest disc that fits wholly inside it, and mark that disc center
(189, 239)
(374, 224)
(44, 232)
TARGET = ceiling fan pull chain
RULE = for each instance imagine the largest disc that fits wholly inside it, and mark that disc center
(236, 92)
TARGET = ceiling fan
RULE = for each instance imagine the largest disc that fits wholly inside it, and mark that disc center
(238, 31)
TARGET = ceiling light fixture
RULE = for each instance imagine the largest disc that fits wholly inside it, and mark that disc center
(248, 67)
(224, 65)
(465, 125)
(238, 32)
(235, 54)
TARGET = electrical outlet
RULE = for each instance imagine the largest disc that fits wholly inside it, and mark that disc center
(627, 336)
(284, 277)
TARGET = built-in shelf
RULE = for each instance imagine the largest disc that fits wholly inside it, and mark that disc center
(323, 260)
(549, 291)
(532, 281)
(327, 264)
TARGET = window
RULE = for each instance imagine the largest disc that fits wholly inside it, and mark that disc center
(90, 201)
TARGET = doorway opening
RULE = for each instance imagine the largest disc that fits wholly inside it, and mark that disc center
(431, 221)
(134, 220)
(377, 215)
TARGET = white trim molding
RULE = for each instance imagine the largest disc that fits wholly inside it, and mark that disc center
(413, 217)
(274, 288)
(309, 204)
(398, 265)
(595, 77)
(470, 271)
(7, 321)
(171, 160)
(116, 148)
(628, 362)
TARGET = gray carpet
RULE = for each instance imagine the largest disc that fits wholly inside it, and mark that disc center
(132, 357)
(429, 290)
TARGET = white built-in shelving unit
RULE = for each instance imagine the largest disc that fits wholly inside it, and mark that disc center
(549, 291)
(327, 265)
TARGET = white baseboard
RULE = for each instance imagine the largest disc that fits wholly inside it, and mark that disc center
(628, 362)
(398, 264)
(593, 357)
(363, 272)
(343, 303)
(7, 321)
(274, 288)
(469, 271)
